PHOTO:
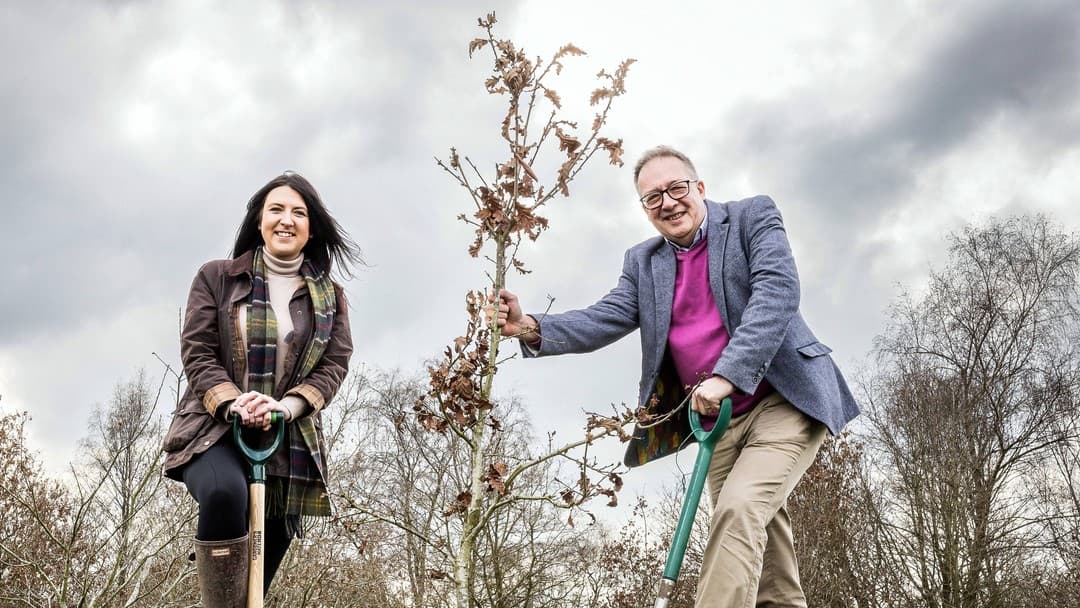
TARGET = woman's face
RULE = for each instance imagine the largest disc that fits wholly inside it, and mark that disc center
(284, 223)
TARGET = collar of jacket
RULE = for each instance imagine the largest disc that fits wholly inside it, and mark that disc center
(241, 265)
(718, 213)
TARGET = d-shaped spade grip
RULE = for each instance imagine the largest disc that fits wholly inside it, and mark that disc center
(706, 444)
(258, 458)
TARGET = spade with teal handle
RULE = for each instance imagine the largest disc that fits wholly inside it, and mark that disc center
(706, 444)
(257, 504)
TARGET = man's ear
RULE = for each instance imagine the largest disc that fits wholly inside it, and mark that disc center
(700, 188)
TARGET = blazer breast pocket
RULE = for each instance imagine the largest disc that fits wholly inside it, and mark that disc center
(814, 349)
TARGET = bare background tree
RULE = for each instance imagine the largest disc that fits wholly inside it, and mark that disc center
(973, 396)
(836, 536)
(964, 491)
(36, 518)
(109, 537)
(629, 564)
(409, 478)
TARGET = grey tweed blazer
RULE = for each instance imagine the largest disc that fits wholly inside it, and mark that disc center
(753, 278)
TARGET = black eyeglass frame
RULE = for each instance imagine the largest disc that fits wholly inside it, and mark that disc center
(659, 194)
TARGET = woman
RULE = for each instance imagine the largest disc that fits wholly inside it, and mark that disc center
(266, 331)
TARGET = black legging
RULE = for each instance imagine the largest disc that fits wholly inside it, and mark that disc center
(217, 479)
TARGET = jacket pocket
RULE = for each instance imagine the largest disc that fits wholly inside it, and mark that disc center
(814, 349)
(185, 427)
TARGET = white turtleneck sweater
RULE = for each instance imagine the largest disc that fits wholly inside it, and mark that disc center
(282, 280)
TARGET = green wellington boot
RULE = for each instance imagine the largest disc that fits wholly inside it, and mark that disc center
(223, 572)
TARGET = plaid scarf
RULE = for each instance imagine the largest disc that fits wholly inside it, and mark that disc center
(303, 493)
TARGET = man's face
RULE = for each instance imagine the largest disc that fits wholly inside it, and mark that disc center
(677, 220)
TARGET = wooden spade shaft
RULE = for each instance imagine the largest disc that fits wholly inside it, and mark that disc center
(257, 530)
(257, 505)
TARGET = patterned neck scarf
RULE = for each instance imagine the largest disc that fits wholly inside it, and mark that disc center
(305, 489)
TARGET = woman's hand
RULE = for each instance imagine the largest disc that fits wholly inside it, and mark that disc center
(254, 409)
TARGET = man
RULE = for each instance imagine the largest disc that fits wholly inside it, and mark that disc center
(716, 297)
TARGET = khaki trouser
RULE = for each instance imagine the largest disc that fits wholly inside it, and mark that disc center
(750, 557)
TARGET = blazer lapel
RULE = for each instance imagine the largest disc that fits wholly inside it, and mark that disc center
(663, 271)
(718, 237)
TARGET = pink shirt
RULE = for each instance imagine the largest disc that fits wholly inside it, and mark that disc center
(697, 335)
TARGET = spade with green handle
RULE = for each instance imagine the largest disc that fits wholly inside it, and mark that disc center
(706, 444)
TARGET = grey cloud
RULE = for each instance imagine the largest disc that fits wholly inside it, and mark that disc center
(1005, 57)
(1010, 56)
(116, 222)
(99, 224)
(837, 177)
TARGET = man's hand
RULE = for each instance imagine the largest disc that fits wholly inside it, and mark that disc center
(710, 393)
(510, 319)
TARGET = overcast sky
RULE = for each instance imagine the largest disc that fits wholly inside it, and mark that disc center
(134, 133)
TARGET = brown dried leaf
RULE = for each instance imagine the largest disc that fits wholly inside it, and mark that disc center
(614, 149)
(620, 75)
(528, 222)
(598, 94)
(432, 422)
(459, 416)
(492, 85)
(568, 49)
(567, 143)
(514, 80)
(616, 480)
(475, 45)
(462, 387)
(495, 476)
(563, 179)
(614, 502)
(553, 97)
(526, 188)
(460, 504)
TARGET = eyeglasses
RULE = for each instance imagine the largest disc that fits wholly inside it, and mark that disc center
(676, 191)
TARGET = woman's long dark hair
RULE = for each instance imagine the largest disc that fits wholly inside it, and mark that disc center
(328, 241)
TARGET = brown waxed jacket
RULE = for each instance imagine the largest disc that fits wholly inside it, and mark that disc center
(215, 361)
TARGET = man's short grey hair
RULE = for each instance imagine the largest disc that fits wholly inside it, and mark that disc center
(660, 152)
